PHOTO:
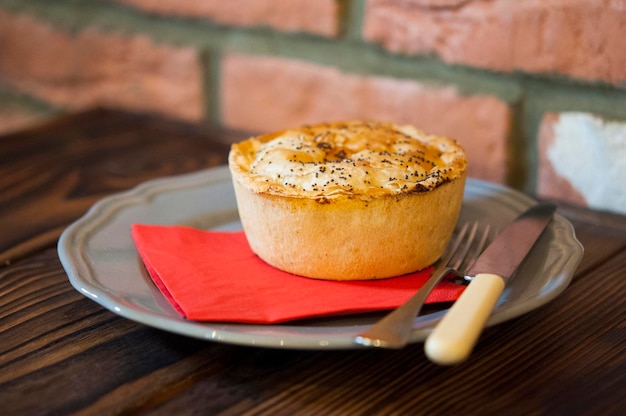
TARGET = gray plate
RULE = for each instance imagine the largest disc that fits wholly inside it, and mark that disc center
(100, 259)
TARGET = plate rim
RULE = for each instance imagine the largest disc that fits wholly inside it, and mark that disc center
(75, 264)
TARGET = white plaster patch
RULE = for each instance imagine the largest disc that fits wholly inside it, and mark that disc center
(591, 154)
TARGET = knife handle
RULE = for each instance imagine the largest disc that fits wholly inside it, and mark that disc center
(453, 339)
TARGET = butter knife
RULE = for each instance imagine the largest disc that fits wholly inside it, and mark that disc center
(453, 339)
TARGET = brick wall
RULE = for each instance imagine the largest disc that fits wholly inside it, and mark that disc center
(535, 90)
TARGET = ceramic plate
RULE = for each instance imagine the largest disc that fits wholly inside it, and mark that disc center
(100, 259)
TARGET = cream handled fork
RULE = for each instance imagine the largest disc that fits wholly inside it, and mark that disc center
(394, 330)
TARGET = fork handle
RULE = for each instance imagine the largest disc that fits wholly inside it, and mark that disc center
(394, 330)
(453, 339)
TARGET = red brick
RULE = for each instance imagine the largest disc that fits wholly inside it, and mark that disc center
(264, 94)
(92, 68)
(319, 17)
(579, 38)
(582, 159)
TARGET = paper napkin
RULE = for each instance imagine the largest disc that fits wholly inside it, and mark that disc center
(215, 276)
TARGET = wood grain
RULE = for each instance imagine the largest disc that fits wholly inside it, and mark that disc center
(61, 353)
(81, 358)
(52, 174)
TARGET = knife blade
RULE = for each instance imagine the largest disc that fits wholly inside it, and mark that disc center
(454, 337)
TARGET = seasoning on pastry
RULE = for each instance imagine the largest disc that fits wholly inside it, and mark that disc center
(351, 200)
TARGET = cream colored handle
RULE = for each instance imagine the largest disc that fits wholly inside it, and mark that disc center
(454, 337)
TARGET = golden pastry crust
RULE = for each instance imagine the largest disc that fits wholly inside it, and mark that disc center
(348, 200)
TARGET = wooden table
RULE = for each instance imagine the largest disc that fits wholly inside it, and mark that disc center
(62, 353)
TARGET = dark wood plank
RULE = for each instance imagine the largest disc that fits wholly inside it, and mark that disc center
(61, 353)
(52, 174)
(81, 358)
(601, 240)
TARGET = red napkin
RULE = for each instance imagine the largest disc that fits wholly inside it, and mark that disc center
(215, 276)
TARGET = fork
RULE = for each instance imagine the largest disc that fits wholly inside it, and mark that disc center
(394, 330)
